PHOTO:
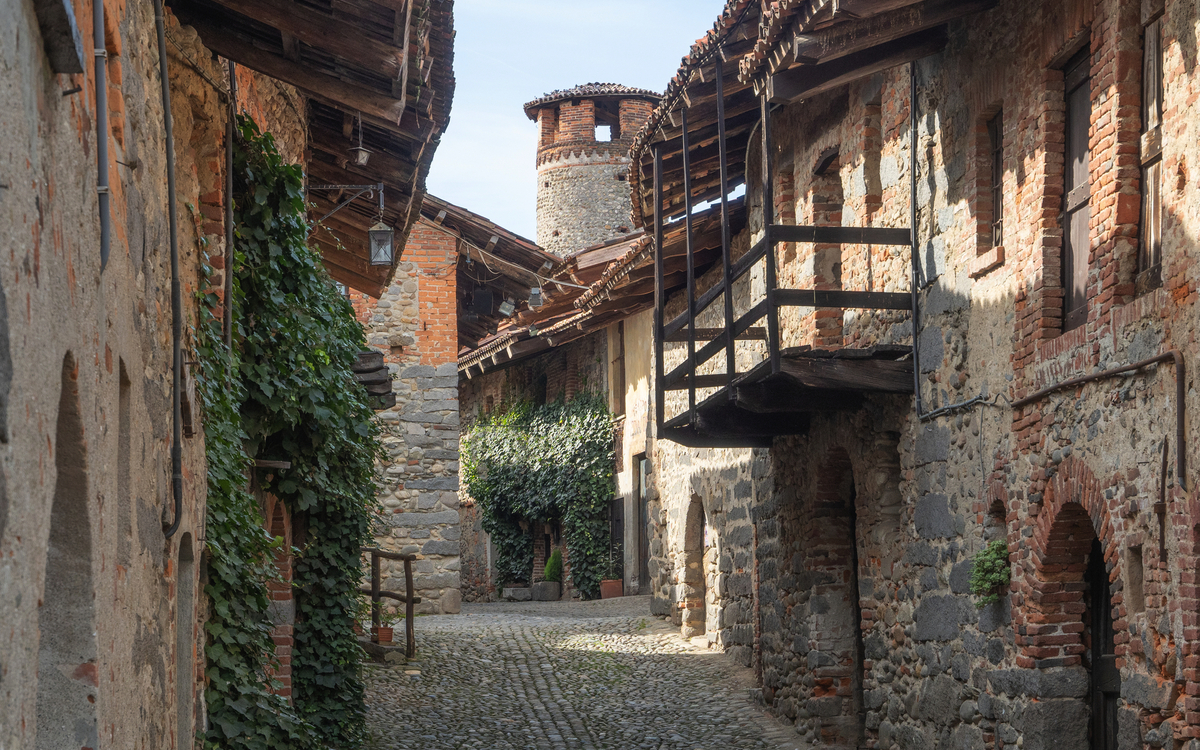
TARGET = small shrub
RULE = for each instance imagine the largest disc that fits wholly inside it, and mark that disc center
(553, 571)
(990, 573)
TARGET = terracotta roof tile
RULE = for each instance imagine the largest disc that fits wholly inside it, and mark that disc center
(588, 90)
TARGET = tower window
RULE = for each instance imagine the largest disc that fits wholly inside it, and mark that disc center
(604, 132)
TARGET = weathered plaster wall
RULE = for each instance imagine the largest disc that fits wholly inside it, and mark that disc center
(415, 325)
(85, 373)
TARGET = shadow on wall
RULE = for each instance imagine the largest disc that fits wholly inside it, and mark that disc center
(67, 671)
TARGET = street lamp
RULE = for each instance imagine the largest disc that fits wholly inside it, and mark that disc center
(380, 238)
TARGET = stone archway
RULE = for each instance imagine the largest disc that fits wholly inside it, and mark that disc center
(692, 589)
(68, 676)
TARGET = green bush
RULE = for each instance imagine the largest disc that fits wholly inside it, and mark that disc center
(553, 571)
(990, 573)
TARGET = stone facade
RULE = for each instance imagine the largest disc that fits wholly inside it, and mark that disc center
(101, 629)
(837, 563)
(415, 325)
(583, 188)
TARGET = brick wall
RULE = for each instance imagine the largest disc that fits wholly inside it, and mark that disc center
(415, 325)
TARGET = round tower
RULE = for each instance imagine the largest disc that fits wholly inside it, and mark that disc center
(584, 136)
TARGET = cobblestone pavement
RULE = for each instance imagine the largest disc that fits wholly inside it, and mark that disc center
(603, 674)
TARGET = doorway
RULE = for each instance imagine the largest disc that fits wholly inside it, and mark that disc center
(1104, 678)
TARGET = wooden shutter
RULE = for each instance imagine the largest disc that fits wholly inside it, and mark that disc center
(1076, 190)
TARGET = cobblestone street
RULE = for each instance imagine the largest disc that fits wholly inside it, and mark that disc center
(602, 674)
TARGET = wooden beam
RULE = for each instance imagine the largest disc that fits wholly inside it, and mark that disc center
(843, 298)
(690, 438)
(731, 422)
(841, 235)
(336, 91)
(371, 288)
(398, 168)
(843, 39)
(806, 81)
(779, 395)
(888, 376)
(750, 334)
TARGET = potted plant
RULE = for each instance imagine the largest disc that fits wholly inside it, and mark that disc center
(383, 633)
(549, 589)
(613, 584)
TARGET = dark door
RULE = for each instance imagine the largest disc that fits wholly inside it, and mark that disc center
(643, 526)
(1076, 190)
(1104, 676)
(616, 521)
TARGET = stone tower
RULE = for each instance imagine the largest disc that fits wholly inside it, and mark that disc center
(583, 162)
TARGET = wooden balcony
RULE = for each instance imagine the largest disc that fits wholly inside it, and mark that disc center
(778, 394)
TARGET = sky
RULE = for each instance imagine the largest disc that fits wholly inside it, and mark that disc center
(508, 52)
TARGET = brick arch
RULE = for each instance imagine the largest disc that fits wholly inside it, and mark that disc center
(1052, 594)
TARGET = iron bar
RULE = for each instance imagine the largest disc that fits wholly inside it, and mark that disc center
(730, 351)
(1173, 355)
(660, 299)
(410, 639)
(691, 261)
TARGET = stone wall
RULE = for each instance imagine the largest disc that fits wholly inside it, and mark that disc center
(881, 502)
(102, 624)
(415, 325)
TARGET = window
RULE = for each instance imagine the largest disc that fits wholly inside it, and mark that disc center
(1150, 234)
(604, 133)
(1076, 189)
(618, 371)
(995, 129)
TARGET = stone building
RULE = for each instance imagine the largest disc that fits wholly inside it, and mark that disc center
(101, 562)
(817, 509)
(584, 135)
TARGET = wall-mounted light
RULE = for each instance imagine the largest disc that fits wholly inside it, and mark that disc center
(535, 296)
(380, 237)
(361, 154)
(508, 307)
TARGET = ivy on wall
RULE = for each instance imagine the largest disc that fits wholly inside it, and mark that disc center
(537, 464)
(291, 397)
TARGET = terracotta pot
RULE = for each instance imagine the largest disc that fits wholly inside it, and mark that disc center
(381, 634)
(610, 589)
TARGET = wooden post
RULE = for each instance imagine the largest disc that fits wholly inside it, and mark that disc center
(768, 175)
(660, 297)
(375, 619)
(410, 639)
(730, 351)
(691, 268)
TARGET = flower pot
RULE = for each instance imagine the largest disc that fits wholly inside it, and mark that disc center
(381, 634)
(610, 589)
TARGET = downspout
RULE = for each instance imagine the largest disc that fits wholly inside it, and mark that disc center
(176, 302)
(227, 321)
(100, 52)
(912, 219)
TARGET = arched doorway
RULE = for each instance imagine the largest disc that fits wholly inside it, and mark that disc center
(68, 677)
(693, 593)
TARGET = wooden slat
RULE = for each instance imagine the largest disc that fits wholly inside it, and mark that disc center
(706, 352)
(777, 395)
(690, 438)
(339, 93)
(841, 235)
(843, 39)
(750, 334)
(888, 376)
(843, 298)
(332, 35)
(807, 81)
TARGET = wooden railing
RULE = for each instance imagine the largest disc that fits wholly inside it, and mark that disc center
(410, 641)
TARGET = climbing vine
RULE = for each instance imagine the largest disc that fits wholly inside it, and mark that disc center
(291, 395)
(539, 464)
(990, 572)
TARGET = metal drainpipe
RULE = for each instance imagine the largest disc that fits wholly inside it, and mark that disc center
(912, 218)
(176, 302)
(101, 62)
(227, 321)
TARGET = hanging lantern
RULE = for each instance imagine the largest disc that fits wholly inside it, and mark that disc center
(361, 155)
(380, 237)
(535, 297)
